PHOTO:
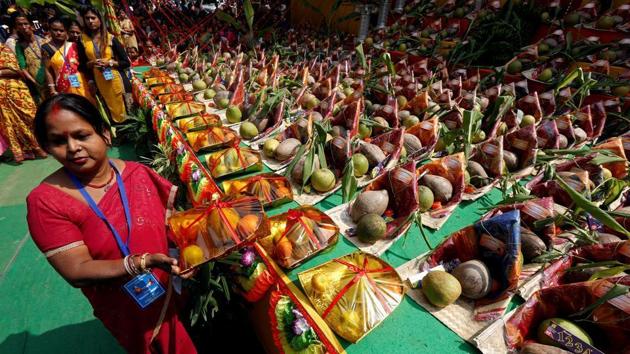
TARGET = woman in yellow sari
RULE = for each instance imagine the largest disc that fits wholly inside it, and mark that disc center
(17, 109)
(61, 59)
(103, 58)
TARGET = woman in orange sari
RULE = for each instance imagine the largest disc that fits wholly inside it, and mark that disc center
(17, 109)
(61, 59)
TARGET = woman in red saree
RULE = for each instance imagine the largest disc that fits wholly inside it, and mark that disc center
(81, 246)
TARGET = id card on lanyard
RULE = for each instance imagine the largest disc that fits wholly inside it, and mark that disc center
(72, 78)
(144, 289)
(108, 74)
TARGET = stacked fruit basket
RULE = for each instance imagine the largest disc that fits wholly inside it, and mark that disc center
(487, 180)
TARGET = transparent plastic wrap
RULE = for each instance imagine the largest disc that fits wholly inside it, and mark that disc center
(606, 326)
(211, 138)
(522, 143)
(298, 235)
(199, 121)
(619, 169)
(201, 189)
(233, 160)
(548, 135)
(348, 118)
(157, 81)
(205, 233)
(175, 97)
(167, 89)
(184, 109)
(354, 293)
(271, 189)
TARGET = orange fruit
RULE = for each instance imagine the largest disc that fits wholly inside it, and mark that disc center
(247, 225)
(283, 250)
(193, 255)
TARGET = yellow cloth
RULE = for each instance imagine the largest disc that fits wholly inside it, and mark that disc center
(17, 109)
(127, 34)
(57, 63)
(113, 90)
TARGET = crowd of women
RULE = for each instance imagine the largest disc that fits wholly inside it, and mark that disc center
(53, 55)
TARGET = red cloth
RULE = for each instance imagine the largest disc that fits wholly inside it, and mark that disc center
(57, 219)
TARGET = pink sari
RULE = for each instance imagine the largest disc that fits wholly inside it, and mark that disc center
(58, 221)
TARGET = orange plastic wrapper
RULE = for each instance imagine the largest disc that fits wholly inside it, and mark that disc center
(271, 189)
(428, 133)
(607, 324)
(211, 138)
(298, 235)
(452, 168)
(354, 293)
(199, 121)
(205, 233)
(175, 97)
(522, 142)
(490, 155)
(166, 89)
(184, 109)
(619, 169)
(548, 135)
(232, 160)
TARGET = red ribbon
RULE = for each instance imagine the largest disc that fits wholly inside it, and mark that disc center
(293, 216)
(360, 272)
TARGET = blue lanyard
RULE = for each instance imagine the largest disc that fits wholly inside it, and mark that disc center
(97, 48)
(124, 247)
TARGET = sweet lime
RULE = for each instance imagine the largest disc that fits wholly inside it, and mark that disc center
(323, 180)
(361, 164)
(233, 114)
(248, 130)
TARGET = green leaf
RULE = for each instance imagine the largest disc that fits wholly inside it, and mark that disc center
(349, 184)
(547, 256)
(591, 208)
(568, 80)
(361, 55)
(295, 160)
(229, 19)
(595, 264)
(610, 272)
(309, 166)
(616, 290)
(471, 120)
(601, 159)
(501, 106)
(387, 58)
(322, 156)
(249, 14)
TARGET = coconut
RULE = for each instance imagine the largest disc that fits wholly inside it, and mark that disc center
(474, 277)
(441, 187)
(373, 153)
(511, 160)
(531, 245)
(369, 202)
(411, 143)
(297, 174)
(287, 149)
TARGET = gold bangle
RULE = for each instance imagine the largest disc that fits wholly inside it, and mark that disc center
(143, 263)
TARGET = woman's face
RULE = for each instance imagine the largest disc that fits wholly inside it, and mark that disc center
(74, 33)
(23, 27)
(92, 21)
(74, 143)
(58, 32)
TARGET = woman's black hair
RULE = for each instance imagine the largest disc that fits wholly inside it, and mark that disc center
(70, 102)
(14, 16)
(64, 20)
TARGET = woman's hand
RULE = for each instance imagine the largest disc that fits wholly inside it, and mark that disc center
(162, 261)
